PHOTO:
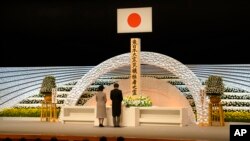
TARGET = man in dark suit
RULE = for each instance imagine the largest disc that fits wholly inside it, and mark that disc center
(116, 97)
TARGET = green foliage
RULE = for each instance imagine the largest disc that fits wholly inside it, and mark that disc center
(64, 89)
(234, 116)
(230, 116)
(22, 112)
(214, 85)
(176, 82)
(244, 97)
(237, 116)
(48, 83)
(236, 90)
(236, 103)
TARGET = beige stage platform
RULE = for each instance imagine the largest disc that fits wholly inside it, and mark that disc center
(215, 133)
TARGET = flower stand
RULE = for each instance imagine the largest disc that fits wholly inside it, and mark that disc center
(216, 113)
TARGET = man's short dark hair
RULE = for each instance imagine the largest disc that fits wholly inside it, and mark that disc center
(116, 85)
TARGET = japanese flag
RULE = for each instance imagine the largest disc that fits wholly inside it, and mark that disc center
(132, 20)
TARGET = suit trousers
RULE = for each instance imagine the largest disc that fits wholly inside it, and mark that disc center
(116, 121)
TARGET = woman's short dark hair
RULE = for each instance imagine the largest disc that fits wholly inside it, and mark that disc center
(100, 88)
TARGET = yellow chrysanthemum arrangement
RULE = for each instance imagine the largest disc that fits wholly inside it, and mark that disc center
(137, 101)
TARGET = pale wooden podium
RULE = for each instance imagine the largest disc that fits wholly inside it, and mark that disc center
(48, 109)
(216, 113)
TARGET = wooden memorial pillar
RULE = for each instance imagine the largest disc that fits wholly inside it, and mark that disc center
(135, 66)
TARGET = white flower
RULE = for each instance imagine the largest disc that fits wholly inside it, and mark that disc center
(138, 101)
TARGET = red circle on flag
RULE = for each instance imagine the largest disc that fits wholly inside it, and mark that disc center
(134, 20)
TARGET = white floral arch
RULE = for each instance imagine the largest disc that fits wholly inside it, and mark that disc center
(150, 58)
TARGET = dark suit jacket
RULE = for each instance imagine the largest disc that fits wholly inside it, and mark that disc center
(116, 97)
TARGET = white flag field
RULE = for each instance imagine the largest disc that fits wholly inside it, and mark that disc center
(134, 20)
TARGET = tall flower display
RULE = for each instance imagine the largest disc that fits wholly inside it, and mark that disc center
(214, 86)
(49, 82)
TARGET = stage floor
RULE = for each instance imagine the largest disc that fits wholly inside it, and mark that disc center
(211, 133)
